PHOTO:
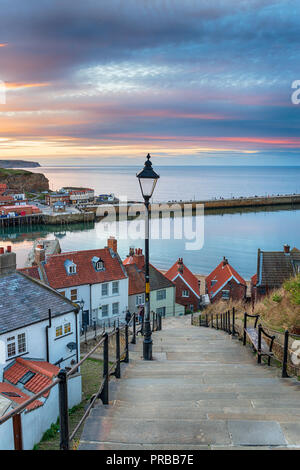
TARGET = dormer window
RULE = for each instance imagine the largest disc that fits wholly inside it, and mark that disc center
(70, 267)
(98, 263)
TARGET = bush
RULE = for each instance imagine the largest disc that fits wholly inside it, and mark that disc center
(293, 287)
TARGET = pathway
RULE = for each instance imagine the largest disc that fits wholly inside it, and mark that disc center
(203, 390)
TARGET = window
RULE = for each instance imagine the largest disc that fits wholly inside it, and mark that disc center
(161, 294)
(72, 269)
(73, 295)
(58, 331)
(21, 343)
(139, 300)
(11, 346)
(225, 294)
(67, 328)
(16, 346)
(104, 310)
(185, 293)
(100, 265)
(115, 308)
(115, 287)
(104, 289)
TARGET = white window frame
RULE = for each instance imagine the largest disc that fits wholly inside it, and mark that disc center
(15, 342)
(105, 316)
(115, 283)
(185, 293)
(107, 285)
(118, 308)
(139, 300)
(163, 292)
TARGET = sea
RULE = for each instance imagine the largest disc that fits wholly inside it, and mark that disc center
(236, 234)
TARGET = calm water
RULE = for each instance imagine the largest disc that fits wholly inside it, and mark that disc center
(236, 235)
(200, 182)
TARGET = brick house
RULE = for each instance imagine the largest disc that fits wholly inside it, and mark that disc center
(273, 268)
(187, 285)
(225, 283)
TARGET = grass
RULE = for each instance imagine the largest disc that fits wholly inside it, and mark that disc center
(91, 371)
(280, 310)
(9, 172)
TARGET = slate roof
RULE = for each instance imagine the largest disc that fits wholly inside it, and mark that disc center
(24, 301)
(137, 279)
(275, 267)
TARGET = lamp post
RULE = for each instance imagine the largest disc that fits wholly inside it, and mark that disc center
(147, 179)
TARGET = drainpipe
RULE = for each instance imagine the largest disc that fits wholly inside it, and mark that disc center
(77, 339)
(47, 336)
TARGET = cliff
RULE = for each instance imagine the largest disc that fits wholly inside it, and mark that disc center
(23, 180)
(18, 164)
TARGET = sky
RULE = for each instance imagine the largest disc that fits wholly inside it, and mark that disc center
(189, 81)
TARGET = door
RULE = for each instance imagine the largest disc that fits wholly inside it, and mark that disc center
(86, 317)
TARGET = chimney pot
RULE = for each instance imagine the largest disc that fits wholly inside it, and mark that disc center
(286, 248)
(8, 249)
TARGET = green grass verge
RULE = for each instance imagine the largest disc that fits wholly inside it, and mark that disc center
(91, 372)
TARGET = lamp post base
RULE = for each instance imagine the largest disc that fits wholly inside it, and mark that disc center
(147, 350)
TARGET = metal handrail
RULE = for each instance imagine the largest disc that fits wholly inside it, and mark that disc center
(62, 381)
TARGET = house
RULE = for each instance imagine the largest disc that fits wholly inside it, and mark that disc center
(53, 198)
(162, 290)
(79, 195)
(3, 188)
(27, 209)
(225, 283)
(187, 285)
(95, 279)
(39, 334)
(273, 268)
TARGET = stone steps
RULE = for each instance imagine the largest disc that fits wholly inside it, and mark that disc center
(203, 390)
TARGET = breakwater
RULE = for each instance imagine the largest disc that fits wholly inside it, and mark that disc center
(243, 203)
(46, 219)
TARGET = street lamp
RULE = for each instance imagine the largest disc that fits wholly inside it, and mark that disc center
(147, 179)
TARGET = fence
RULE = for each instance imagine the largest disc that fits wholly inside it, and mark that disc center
(286, 346)
(109, 369)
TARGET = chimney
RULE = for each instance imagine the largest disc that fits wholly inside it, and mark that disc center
(131, 251)
(225, 261)
(8, 262)
(286, 249)
(39, 254)
(112, 243)
(180, 265)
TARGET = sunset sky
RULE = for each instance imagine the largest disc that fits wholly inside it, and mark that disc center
(190, 81)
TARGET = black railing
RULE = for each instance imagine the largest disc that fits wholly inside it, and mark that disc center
(226, 321)
(109, 369)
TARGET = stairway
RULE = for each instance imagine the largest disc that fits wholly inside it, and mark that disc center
(203, 390)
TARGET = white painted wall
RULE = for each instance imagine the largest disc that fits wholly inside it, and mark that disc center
(36, 342)
(37, 421)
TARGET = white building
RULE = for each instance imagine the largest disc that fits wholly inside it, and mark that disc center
(94, 279)
(39, 335)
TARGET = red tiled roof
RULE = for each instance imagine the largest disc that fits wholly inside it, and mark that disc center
(85, 272)
(186, 274)
(222, 273)
(5, 387)
(136, 257)
(136, 279)
(254, 279)
(44, 372)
